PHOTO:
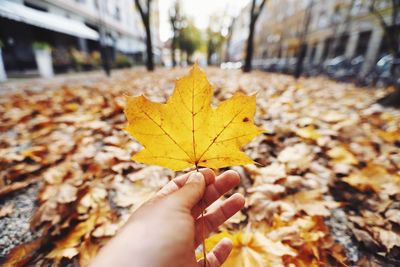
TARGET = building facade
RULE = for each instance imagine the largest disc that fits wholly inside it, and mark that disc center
(115, 25)
(240, 30)
(335, 28)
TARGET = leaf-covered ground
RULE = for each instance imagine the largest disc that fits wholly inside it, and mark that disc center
(326, 191)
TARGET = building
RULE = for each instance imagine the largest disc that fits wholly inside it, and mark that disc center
(240, 31)
(74, 29)
(336, 28)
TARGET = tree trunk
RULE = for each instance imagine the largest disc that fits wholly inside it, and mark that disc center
(173, 51)
(149, 48)
(392, 33)
(209, 52)
(189, 59)
(250, 47)
(228, 41)
(300, 60)
(105, 59)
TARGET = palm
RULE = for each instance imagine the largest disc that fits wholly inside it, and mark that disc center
(203, 226)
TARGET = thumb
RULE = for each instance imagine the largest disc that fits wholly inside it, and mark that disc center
(192, 192)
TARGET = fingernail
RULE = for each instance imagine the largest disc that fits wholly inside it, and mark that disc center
(195, 177)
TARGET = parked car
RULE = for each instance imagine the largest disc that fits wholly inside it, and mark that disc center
(280, 65)
(273, 66)
(290, 66)
(312, 69)
(268, 64)
(384, 70)
(334, 65)
(381, 73)
(349, 72)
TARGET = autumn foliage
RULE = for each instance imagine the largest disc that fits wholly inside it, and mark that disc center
(324, 191)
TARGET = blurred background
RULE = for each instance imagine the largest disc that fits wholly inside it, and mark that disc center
(347, 40)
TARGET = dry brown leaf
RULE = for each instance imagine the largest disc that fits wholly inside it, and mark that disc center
(298, 156)
(6, 210)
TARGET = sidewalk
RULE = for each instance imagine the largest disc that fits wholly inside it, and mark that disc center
(38, 83)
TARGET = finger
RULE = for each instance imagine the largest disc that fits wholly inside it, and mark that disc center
(223, 183)
(219, 254)
(218, 216)
(191, 192)
(180, 181)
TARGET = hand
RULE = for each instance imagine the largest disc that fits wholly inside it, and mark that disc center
(166, 230)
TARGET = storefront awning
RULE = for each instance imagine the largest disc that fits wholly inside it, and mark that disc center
(21, 13)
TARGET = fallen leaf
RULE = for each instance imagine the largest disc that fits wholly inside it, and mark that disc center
(374, 177)
(6, 210)
(251, 249)
(297, 156)
(21, 255)
(308, 132)
(312, 203)
(389, 239)
(342, 155)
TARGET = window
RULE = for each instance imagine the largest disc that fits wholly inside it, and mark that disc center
(117, 14)
(327, 48)
(341, 46)
(363, 41)
(322, 20)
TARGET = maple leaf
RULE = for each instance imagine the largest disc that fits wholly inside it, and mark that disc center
(374, 177)
(251, 249)
(340, 154)
(308, 132)
(187, 131)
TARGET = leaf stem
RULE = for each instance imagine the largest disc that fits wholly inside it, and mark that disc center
(203, 228)
(203, 237)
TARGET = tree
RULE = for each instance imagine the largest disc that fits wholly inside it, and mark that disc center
(303, 45)
(104, 51)
(176, 19)
(391, 29)
(341, 24)
(229, 39)
(189, 40)
(215, 40)
(255, 10)
(145, 11)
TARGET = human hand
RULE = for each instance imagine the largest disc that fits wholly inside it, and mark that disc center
(166, 230)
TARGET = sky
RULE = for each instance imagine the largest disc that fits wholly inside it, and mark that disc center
(198, 10)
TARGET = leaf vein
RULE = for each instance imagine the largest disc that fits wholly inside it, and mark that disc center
(219, 134)
(162, 129)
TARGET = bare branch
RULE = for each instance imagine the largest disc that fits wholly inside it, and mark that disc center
(143, 14)
(148, 7)
(260, 8)
(252, 13)
(139, 7)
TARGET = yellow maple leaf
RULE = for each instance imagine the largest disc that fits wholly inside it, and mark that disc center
(308, 132)
(373, 177)
(340, 154)
(187, 131)
(251, 249)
